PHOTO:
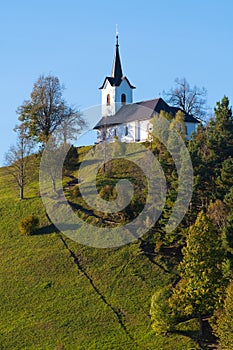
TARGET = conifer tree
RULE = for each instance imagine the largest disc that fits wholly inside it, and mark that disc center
(200, 288)
(220, 131)
(223, 328)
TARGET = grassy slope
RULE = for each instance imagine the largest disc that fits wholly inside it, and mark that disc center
(54, 291)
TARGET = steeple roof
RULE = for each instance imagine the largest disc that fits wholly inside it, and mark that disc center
(117, 73)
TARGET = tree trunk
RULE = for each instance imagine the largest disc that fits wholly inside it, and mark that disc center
(200, 325)
(21, 192)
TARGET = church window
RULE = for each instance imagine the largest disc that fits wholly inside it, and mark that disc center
(108, 99)
(123, 99)
(126, 131)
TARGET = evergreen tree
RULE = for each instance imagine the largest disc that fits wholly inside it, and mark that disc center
(161, 314)
(225, 179)
(223, 328)
(200, 288)
(220, 132)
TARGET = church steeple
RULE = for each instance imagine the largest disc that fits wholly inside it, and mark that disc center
(116, 89)
(117, 73)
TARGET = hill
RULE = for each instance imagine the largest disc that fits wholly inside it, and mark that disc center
(58, 294)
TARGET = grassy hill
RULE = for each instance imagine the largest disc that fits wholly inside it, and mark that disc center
(58, 294)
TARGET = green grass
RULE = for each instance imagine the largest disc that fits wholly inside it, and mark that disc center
(49, 298)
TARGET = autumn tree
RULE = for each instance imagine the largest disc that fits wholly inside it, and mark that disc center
(200, 288)
(17, 158)
(191, 100)
(46, 109)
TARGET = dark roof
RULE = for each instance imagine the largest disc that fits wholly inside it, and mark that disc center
(135, 111)
(116, 68)
(117, 73)
(116, 82)
(188, 117)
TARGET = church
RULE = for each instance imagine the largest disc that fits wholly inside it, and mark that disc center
(127, 120)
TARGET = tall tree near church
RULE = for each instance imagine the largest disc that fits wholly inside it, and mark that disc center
(191, 100)
(46, 109)
(17, 158)
(219, 132)
(199, 291)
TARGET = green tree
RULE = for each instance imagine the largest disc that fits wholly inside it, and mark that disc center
(225, 179)
(163, 319)
(46, 109)
(200, 289)
(178, 124)
(220, 132)
(223, 328)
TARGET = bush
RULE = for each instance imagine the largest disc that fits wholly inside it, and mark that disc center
(28, 225)
(162, 317)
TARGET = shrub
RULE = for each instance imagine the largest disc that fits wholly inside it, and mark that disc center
(163, 318)
(28, 225)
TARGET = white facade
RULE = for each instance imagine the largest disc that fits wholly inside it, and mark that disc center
(135, 131)
(114, 96)
(190, 128)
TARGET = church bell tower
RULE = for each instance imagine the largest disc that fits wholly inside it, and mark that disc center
(116, 89)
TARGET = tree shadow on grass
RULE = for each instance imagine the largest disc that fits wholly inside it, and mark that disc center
(46, 230)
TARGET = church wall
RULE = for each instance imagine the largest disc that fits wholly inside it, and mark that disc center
(190, 128)
(108, 110)
(123, 88)
(144, 129)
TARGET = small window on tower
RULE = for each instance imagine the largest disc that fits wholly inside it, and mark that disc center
(108, 99)
(123, 99)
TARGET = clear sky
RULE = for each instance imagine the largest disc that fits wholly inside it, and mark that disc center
(75, 40)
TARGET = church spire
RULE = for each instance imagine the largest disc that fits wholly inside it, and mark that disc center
(117, 73)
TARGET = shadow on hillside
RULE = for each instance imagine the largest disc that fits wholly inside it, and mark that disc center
(46, 230)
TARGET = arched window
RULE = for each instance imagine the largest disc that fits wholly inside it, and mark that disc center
(126, 131)
(123, 99)
(108, 99)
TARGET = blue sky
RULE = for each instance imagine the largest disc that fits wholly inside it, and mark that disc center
(75, 40)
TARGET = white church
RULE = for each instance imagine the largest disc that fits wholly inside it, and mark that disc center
(125, 119)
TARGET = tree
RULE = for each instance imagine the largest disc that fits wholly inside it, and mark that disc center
(191, 100)
(200, 289)
(70, 126)
(225, 180)
(219, 132)
(223, 327)
(17, 158)
(161, 314)
(46, 109)
(217, 212)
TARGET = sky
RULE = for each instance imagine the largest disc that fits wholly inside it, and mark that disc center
(75, 41)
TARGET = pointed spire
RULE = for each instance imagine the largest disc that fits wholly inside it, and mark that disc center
(117, 73)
